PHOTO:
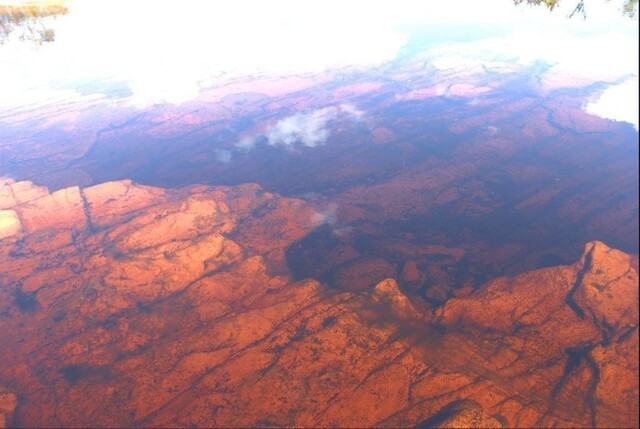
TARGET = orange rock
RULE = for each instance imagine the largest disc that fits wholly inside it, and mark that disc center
(8, 404)
(388, 292)
(13, 193)
(63, 209)
(607, 290)
(9, 223)
(7, 199)
(110, 202)
(177, 309)
(586, 313)
(461, 414)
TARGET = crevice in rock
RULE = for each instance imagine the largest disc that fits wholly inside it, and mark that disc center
(569, 300)
(591, 390)
(626, 334)
(575, 357)
(87, 212)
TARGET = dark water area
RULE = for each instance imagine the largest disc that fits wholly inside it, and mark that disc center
(507, 178)
(296, 170)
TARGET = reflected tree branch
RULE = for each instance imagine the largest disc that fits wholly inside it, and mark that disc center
(629, 7)
(27, 20)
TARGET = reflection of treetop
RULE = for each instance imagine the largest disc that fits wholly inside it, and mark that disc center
(26, 19)
(629, 7)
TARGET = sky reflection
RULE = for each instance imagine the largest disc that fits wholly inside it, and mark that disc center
(153, 52)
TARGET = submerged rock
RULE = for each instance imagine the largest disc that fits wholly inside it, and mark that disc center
(8, 404)
(177, 308)
(362, 274)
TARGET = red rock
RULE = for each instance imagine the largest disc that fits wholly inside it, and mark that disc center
(388, 292)
(9, 223)
(584, 314)
(461, 414)
(177, 311)
(63, 209)
(110, 202)
(608, 291)
(8, 404)
(14, 193)
(7, 199)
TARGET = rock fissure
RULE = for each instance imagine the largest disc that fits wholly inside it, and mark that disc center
(569, 300)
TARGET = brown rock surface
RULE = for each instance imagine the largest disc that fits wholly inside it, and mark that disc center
(388, 293)
(8, 404)
(109, 202)
(13, 193)
(62, 209)
(9, 223)
(176, 308)
(461, 414)
(569, 321)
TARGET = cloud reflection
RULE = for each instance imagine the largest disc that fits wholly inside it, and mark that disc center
(168, 52)
(309, 129)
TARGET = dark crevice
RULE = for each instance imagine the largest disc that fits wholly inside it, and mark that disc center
(626, 334)
(591, 390)
(576, 356)
(569, 300)
(87, 212)
(606, 329)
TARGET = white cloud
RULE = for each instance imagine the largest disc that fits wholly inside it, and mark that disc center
(308, 129)
(593, 57)
(327, 216)
(168, 52)
(577, 52)
(618, 102)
